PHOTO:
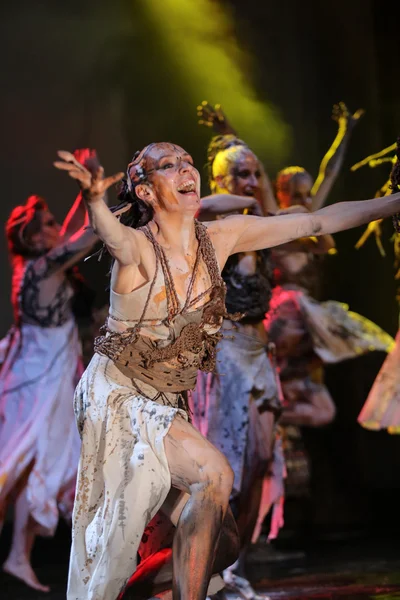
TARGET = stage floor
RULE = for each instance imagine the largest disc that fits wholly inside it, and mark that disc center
(361, 568)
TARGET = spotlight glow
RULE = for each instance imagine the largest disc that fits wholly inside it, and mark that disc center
(198, 37)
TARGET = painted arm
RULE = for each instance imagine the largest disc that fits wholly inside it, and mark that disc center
(246, 233)
(333, 159)
(317, 245)
(121, 241)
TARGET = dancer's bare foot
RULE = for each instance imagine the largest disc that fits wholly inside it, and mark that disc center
(24, 572)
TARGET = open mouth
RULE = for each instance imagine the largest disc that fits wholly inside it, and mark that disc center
(249, 192)
(187, 187)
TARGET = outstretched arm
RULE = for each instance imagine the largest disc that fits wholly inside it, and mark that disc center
(246, 233)
(333, 159)
(121, 241)
(317, 245)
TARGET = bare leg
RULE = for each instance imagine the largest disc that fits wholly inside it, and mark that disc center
(228, 543)
(155, 574)
(18, 561)
(204, 473)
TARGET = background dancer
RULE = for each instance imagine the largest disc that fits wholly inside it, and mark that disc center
(237, 407)
(39, 446)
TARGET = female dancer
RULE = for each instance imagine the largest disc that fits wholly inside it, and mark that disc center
(39, 448)
(237, 407)
(166, 309)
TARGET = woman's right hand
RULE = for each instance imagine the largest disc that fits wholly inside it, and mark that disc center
(93, 184)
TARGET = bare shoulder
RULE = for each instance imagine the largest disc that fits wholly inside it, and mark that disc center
(139, 239)
(225, 225)
(219, 230)
(223, 236)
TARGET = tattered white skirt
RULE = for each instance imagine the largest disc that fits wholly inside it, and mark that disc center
(382, 407)
(38, 436)
(123, 478)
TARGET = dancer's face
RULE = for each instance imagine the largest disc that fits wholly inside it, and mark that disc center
(49, 234)
(297, 191)
(239, 172)
(173, 182)
(246, 175)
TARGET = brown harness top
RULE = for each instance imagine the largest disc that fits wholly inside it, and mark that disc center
(172, 365)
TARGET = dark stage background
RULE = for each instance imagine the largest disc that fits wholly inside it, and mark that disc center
(106, 75)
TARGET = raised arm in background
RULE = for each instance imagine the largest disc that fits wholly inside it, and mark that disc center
(332, 162)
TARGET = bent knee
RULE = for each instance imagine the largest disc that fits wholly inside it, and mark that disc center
(218, 475)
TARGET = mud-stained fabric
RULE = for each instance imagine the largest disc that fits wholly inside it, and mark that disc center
(382, 407)
(123, 479)
(273, 493)
(167, 352)
(225, 405)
